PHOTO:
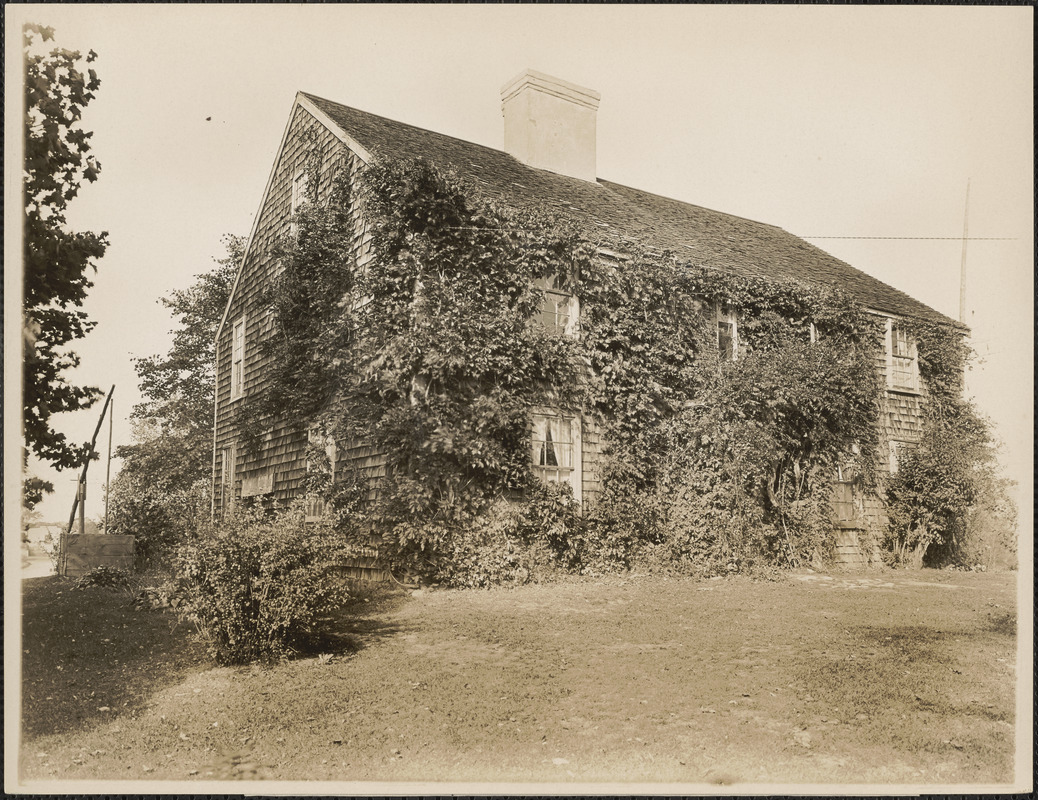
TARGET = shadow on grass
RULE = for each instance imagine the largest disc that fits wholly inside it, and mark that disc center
(365, 620)
(89, 657)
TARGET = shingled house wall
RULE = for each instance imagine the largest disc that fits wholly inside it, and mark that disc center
(276, 471)
(743, 247)
(900, 420)
(280, 464)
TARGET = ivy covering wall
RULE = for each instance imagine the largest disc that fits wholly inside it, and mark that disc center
(433, 353)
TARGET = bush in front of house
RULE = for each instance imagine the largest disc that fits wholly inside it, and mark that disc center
(104, 577)
(255, 583)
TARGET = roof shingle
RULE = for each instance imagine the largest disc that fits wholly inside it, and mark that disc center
(706, 237)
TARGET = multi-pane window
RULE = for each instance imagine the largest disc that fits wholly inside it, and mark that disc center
(238, 360)
(556, 449)
(727, 333)
(902, 358)
(560, 310)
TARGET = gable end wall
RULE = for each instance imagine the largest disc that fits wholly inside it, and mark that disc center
(283, 450)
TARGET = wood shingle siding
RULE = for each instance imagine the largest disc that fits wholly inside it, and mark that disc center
(342, 139)
(283, 450)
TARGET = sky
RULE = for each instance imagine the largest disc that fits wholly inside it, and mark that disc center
(828, 121)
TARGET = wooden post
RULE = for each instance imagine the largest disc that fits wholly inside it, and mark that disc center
(82, 504)
(86, 463)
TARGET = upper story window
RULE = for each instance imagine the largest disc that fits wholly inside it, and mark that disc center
(727, 332)
(560, 309)
(238, 359)
(902, 358)
(300, 184)
(557, 449)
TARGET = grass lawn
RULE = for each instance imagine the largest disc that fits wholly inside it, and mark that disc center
(886, 678)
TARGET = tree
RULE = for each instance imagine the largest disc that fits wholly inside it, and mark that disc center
(57, 261)
(162, 487)
(178, 387)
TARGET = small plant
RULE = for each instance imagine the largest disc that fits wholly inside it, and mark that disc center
(103, 577)
(255, 583)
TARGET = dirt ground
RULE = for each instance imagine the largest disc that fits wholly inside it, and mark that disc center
(885, 678)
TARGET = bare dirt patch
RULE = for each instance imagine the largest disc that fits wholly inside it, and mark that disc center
(882, 678)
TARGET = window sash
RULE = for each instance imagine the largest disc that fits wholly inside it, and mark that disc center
(555, 449)
(896, 449)
(238, 360)
(727, 333)
(902, 358)
(556, 311)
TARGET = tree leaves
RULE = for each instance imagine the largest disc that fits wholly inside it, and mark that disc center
(57, 262)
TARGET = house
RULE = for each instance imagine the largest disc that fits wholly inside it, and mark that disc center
(549, 159)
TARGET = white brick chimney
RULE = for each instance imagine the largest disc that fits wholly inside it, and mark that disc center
(550, 124)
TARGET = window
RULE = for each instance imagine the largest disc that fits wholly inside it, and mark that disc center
(897, 452)
(316, 442)
(238, 359)
(902, 358)
(560, 310)
(556, 449)
(727, 333)
(227, 485)
(299, 187)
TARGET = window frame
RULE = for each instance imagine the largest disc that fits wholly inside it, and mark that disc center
(894, 450)
(237, 382)
(572, 474)
(725, 314)
(230, 457)
(300, 185)
(315, 437)
(562, 300)
(901, 360)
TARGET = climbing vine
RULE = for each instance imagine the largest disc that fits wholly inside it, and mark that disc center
(428, 348)
(947, 502)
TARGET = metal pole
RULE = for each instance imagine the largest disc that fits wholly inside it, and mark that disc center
(962, 272)
(108, 467)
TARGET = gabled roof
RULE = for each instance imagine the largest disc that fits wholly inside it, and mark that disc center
(610, 211)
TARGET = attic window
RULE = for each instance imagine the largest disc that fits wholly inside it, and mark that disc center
(902, 358)
(556, 448)
(238, 359)
(299, 187)
(727, 333)
(560, 310)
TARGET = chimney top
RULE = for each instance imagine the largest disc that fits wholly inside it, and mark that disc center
(551, 85)
(550, 124)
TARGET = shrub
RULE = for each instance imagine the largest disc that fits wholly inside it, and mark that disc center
(159, 517)
(255, 583)
(947, 502)
(106, 578)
